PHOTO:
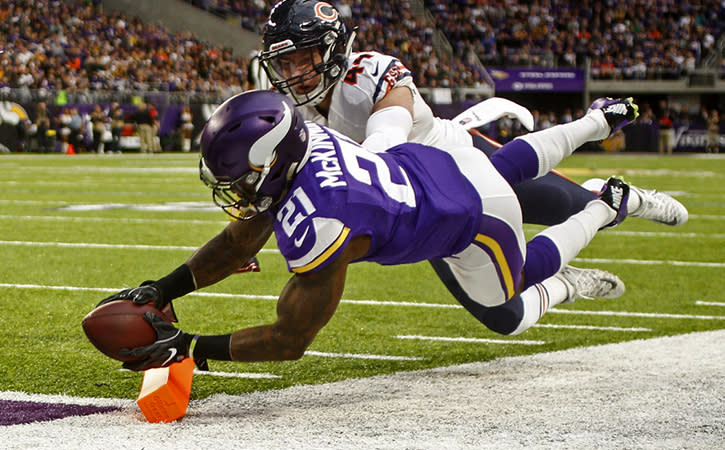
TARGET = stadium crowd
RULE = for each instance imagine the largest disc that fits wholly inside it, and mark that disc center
(58, 45)
(639, 39)
(68, 50)
(55, 45)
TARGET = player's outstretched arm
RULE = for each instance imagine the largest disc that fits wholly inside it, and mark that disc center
(306, 304)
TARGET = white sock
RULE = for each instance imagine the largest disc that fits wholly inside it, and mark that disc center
(634, 202)
(540, 298)
(556, 143)
(575, 233)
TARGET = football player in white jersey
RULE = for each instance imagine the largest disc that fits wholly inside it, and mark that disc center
(372, 98)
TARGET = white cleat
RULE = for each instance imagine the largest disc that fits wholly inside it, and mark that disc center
(590, 283)
(658, 207)
(654, 206)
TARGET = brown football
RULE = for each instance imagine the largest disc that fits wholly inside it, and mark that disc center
(118, 325)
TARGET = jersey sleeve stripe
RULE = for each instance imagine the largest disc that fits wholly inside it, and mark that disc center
(382, 80)
(500, 259)
(326, 254)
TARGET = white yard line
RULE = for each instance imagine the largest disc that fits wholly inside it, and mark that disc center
(395, 303)
(211, 373)
(248, 375)
(368, 302)
(115, 220)
(590, 327)
(704, 303)
(108, 246)
(634, 314)
(106, 169)
(472, 340)
(363, 356)
(707, 216)
(652, 262)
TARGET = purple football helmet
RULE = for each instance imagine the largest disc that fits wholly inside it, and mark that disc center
(251, 147)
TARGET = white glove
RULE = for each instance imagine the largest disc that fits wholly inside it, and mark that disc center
(493, 109)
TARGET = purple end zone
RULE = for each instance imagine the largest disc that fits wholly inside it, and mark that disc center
(19, 412)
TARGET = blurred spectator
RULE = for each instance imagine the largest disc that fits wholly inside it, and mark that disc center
(666, 129)
(713, 132)
(99, 120)
(117, 123)
(144, 125)
(76, 130)
(615, 143)
(155, 126)
(63, 129)
(186, 128)
(43, 131)
(345, 9)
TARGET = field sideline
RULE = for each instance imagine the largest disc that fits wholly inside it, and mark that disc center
(76, 229)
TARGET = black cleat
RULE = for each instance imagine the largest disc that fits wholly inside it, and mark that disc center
(615, 194)
(619, 112)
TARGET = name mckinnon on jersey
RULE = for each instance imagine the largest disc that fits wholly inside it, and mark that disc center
(342, 185)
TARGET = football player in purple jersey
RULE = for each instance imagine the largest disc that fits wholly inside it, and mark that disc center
(331, 202)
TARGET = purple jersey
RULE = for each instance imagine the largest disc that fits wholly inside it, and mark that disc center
(412, 200)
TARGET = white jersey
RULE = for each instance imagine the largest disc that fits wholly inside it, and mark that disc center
(370, 75)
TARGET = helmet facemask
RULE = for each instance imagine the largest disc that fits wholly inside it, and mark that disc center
(238, 198)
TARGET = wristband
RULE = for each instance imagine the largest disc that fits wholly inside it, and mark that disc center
(192, 345)
(176, 284)
(213, 347)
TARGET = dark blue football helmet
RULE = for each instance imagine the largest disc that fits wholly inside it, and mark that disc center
(251, 147)
(309, 34)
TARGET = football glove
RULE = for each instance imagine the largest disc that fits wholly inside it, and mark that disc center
(172, 345)
(148, 292)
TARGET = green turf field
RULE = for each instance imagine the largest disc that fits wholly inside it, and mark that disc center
(78, 228)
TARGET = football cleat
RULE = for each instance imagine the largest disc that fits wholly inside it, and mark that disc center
(615, 194)
(659, 207)
(655, 206)
(590, 283)
(618, 112)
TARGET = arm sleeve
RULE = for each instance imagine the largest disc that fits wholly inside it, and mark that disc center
(387, 128)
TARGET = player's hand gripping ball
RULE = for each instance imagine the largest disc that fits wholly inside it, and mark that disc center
(120, 325)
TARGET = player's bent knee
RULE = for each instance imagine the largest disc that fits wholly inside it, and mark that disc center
(504, 319)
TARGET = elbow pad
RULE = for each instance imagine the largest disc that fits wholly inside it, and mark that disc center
(387, 128)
